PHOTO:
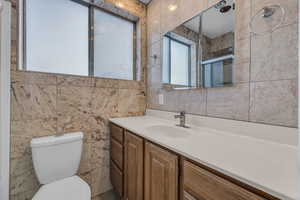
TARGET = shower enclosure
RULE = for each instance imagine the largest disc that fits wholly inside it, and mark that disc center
(5, 10)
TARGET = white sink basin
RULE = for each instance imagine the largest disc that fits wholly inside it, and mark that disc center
(168, 131)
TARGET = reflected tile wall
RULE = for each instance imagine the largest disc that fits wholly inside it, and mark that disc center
(266, 66)
(45, 104)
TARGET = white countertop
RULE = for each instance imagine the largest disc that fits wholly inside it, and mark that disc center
(263, 164)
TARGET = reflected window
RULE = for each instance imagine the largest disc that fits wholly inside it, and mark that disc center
(177, 62)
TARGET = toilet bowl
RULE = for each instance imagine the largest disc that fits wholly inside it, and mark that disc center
(56, 160)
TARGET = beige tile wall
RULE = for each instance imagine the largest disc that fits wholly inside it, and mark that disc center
(44, 104)
(266, 66)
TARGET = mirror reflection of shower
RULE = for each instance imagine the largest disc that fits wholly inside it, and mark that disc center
(217, 45)
(200, 52)
(225, 6)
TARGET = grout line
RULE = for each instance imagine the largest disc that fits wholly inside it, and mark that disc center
(250, 64)
(56, 106)
(206, 100)
(273, 80)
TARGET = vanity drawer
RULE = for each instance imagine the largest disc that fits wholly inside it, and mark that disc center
(117, 153)
(201, 184)
(117, 133)
(116, 179)
(187, 196)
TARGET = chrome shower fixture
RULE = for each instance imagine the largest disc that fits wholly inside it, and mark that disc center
(267, 19)
(268, 11)
(221, 4)
(224, 7)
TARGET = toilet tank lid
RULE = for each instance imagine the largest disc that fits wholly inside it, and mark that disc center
(56, 139)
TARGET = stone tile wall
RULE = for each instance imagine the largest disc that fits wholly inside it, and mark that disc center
(266, 66)
(45, 104)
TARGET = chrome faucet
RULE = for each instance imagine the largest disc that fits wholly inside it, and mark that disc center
(181, 117)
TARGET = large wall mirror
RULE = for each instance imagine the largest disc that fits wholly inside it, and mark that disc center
(200, 52)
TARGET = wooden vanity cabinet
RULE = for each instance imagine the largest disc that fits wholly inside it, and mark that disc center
(116, 178)
(117, 161)
(142, 170)
(201, 184)
(117, 153)
(161, 173)
(127, 163)
(117, 133)
(134, 167)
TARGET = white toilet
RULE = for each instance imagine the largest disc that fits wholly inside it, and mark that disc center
(56, 160)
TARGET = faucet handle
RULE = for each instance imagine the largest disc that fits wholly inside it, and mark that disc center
(182, 113)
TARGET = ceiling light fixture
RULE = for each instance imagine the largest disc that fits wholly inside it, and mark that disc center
(119, 4)
(172, 7)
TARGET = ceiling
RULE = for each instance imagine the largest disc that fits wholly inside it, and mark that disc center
(193, 24)
(214, 23)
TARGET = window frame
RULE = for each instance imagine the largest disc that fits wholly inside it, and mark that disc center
(170, 39)
(22, 54)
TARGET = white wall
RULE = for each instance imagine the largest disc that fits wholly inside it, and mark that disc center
(4, 97)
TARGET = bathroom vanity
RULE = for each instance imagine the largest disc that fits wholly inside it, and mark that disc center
(155, 160)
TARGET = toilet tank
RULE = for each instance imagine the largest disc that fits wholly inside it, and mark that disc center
(56, 157)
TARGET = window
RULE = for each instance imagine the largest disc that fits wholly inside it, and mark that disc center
(114, 46)
(70, 37)
(56, 37)
(177, 62)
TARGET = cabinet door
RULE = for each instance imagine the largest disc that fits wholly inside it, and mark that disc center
(161, 174)
(116, 179)
(204, 185)
(134, 160)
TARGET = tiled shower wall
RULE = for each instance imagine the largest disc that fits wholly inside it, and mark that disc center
(45, 104)
(266, 66)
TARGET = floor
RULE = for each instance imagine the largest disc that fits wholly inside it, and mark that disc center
(110, 195)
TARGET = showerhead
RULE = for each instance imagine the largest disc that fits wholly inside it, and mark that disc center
(223, 6)
(225, 9)
(267, 19)
(220, 4)
(268, 12)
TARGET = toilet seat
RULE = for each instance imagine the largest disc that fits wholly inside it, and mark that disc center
(69, 188)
